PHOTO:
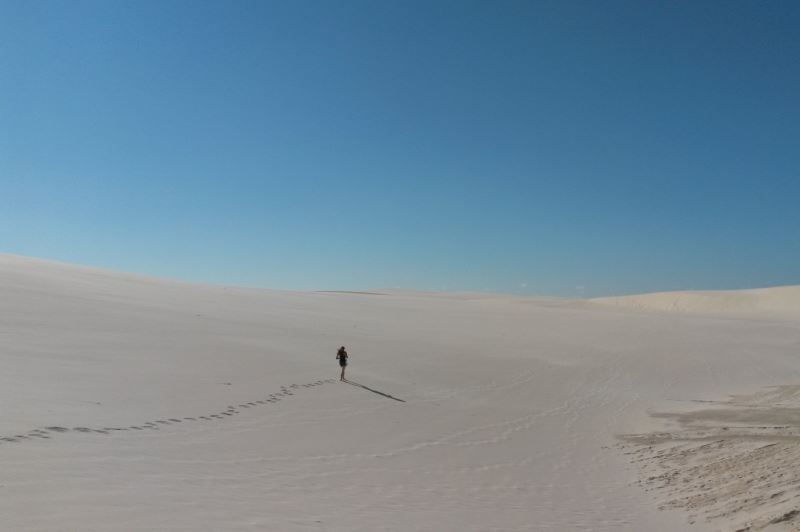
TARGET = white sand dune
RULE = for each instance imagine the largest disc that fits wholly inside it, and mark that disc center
(129, 403)
(777, 301)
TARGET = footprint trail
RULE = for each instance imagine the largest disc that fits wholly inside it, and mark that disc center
(54, 430)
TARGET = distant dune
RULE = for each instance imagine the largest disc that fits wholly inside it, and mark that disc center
(782, 300)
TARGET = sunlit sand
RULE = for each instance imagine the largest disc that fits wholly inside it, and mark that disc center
(131, 403)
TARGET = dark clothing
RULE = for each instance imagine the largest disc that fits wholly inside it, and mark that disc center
(342, 356)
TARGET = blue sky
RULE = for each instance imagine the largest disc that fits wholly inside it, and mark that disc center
(567, 148)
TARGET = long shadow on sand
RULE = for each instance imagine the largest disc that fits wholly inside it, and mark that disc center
(373, 391)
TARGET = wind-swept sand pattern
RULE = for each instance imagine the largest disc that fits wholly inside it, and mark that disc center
(129, 403)
(733, 463)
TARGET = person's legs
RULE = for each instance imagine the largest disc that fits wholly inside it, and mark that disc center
(342, 377)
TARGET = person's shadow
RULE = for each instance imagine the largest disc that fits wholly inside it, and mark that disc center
(373, 391)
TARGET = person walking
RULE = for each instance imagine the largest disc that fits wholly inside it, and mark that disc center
(342, 356)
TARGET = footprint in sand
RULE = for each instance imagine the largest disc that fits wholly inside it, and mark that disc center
(231, 411)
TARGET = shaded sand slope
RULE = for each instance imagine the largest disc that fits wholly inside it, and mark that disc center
(129, 403)
(774, 302)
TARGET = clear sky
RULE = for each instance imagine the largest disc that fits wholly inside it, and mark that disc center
(559, 147)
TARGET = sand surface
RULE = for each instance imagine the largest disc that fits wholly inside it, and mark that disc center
(782, 302)
(129, 403)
